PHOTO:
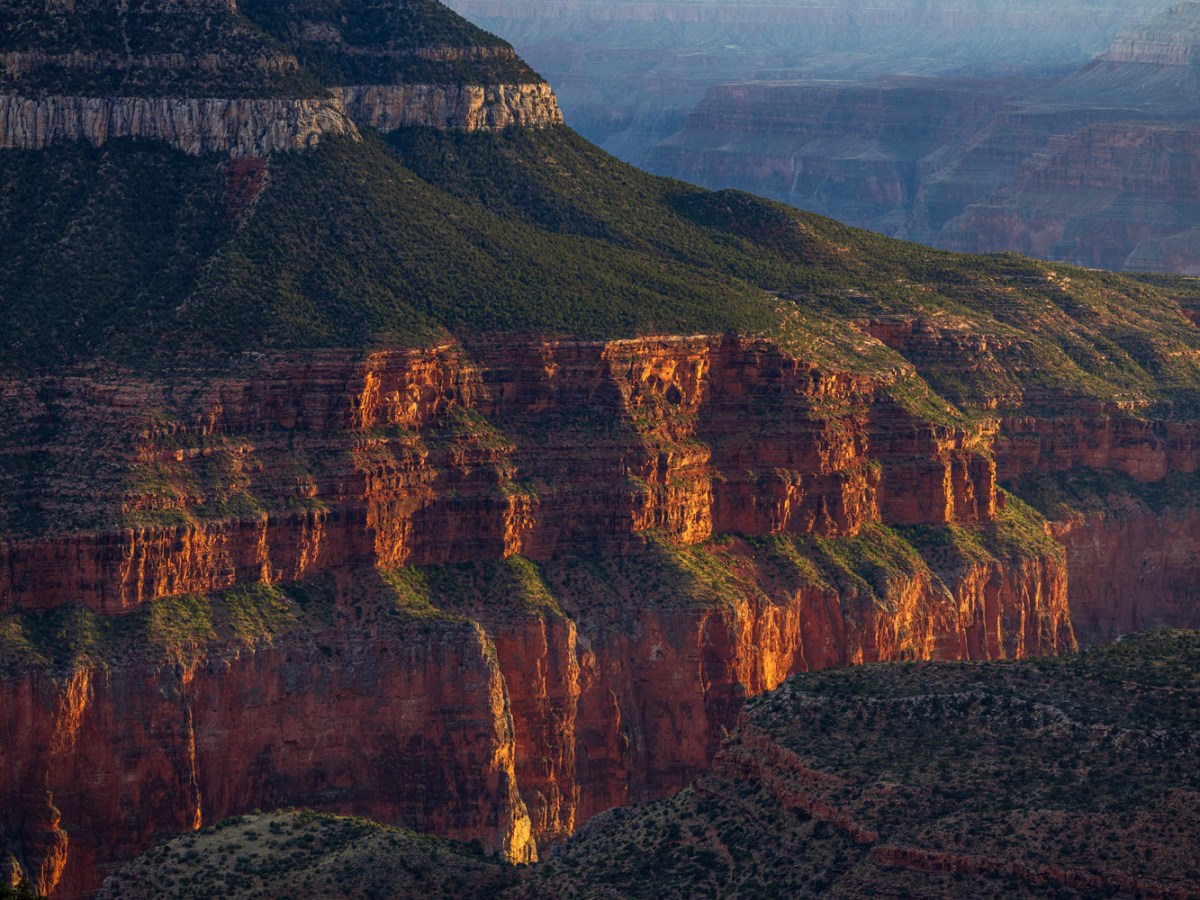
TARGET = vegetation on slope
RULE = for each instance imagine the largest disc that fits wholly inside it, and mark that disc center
(1044, 328)
(305, 854)
(1073, 775)
(1061, 496)
(388, 42)
(185, 629)
(428, 235)
(263, 48)
(98, 48)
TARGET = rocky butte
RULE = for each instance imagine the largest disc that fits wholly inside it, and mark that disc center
(375, 444)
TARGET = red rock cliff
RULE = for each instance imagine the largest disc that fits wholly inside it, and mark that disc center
(599, 479)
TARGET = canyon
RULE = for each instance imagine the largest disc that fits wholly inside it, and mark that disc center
(1088, 165)
(608, 548)
(375, 444)
(629, 73)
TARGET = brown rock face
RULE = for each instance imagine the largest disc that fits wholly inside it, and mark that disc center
(1132, 570)
(1098, 439)
(1132, 565)
(424, 458)
(597, 478)
(575, 712)
(110, 759)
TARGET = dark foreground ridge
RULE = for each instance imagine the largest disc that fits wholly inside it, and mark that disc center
(1077, 776)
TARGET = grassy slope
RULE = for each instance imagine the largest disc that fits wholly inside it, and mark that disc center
(425, 234)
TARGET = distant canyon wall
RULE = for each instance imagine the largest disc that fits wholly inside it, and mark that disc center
(1090, 167)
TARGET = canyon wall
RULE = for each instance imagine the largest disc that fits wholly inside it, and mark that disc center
(458, 107)
(628, 74)
(510, 732)
(411, 724)
(1124, 511)
(589, 555)
(260, 127)
(239, 127)
(1099, 196)
(1132, 568)
(1095, 168)
(582, 632)
(424, 458)
(855, 151)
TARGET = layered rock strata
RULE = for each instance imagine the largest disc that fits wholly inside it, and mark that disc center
(203, 78)
(796, 801)
(257, 127)
(260, 127)
(458, 107)
(688, 436)
(512, 732)
(564, 505)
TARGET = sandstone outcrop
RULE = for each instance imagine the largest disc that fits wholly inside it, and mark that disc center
(1167, 40)
(260, 127)
(458, 107)
(195, 126)
(429, 727)
(715, 435)
(1132, 568)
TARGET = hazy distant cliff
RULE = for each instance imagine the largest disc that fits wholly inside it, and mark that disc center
(1092, 168)
(629, 72)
